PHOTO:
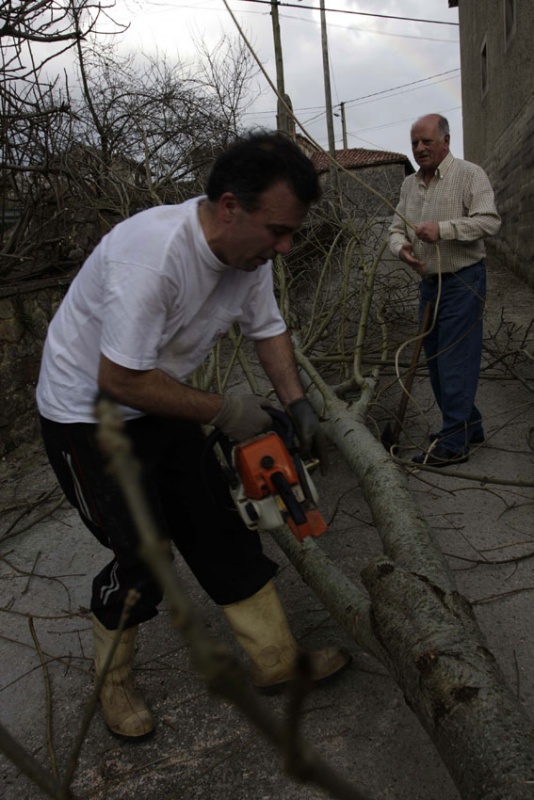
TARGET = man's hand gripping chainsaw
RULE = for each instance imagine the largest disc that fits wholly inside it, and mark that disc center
(269, 483)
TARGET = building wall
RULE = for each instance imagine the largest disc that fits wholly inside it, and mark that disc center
(498, 116)
(511, 168)
(360, 201)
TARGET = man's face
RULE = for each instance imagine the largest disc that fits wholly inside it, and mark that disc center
(254, 237)
(428, 148)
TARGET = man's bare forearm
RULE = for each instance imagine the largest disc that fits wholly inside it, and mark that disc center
(155, 392)
(277, 358)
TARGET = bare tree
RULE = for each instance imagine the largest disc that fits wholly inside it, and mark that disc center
(226, 72)
(34, 108)
(33, 35)
(128, 132)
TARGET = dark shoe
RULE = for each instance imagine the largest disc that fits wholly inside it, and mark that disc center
(440, 457)
(478, 438)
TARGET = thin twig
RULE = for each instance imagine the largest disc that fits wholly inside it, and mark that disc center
(48, 695)
(11, 533)
(32, 572)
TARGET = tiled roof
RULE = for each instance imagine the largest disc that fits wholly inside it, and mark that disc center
(357, 157)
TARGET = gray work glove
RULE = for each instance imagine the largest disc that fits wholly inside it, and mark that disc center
(312, 440)
(243, 416)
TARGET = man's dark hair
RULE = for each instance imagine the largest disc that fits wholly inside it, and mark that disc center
(256, 162)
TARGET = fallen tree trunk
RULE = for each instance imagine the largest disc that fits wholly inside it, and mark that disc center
(418, 625)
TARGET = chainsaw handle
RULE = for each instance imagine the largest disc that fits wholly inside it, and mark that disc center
(291, 503)
(283, 426)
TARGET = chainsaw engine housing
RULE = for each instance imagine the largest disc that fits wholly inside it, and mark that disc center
(273, 487)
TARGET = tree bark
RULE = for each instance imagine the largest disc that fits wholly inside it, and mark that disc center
(418, 625)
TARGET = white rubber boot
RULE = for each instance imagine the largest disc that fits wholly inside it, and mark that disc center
(260, 625)
(124, 710)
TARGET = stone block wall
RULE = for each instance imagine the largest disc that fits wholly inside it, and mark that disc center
(24, 319)
(511, 171)
(358, 200)
(497, 60)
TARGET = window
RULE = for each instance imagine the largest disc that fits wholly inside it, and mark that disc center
(484, 66)
(510, 21)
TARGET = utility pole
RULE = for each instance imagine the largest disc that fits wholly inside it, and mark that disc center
(282, 119)
(327, 92)
(343, 125)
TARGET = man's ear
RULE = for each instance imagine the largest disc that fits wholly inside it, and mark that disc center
(228, 206)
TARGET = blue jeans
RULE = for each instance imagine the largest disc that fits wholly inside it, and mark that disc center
(454, 350)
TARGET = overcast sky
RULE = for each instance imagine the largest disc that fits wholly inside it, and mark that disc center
(387, 71)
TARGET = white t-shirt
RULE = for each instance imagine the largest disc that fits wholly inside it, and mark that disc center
(152, 294)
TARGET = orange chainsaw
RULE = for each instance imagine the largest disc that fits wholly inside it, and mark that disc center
(270, 484)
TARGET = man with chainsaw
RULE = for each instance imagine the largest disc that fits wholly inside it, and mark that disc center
(444, 212)
(142, 314)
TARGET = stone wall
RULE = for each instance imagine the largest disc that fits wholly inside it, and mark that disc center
(24, 318)
(360, 201)
(498, 119)
(511, 170)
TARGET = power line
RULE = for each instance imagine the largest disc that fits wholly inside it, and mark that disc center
(368, 31)
(164, 6)
(355, 13)
(393, 124)
(322, 113)
(366, 96)
(401, 86)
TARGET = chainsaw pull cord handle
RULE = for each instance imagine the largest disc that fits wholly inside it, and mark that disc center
(216, 437)
(226, 445)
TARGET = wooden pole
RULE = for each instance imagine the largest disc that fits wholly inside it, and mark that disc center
(327, 91)
(343, 125)
(282, 122)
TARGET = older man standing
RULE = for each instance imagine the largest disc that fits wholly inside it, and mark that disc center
(444, 212)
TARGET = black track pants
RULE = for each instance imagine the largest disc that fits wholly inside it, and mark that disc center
(189, 498)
